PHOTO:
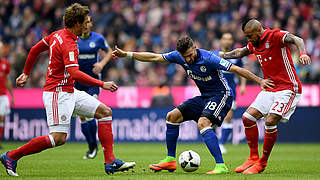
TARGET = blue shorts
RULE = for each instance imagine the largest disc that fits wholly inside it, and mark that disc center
(215, 108)
(91, 90)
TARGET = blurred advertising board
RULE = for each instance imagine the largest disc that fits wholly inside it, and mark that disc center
(149, 125)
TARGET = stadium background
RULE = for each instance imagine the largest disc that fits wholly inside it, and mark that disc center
(153, 25)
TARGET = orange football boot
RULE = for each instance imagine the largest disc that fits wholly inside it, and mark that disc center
(169, 163)
(249, 162)
(258, 167)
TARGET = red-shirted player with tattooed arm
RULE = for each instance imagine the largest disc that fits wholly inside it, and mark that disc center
(61, 99)
(271, 47)
(5, 83)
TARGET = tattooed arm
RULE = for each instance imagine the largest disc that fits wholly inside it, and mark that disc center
(304, 58)
(236, 53)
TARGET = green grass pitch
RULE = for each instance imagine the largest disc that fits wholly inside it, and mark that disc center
(288, 161)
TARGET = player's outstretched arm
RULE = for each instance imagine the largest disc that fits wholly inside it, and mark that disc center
(264, 83)
(140, 56)
(31, 59)
(304, 58)
(234, 54)
(82, 77)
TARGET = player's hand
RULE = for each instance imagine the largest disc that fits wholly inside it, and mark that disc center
(22, 80)
(97, 68)
(305, 59)
(118, 52)
(110, 85)
(266, 83)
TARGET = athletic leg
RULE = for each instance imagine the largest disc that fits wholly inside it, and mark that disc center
(249, 119)
(174, 118)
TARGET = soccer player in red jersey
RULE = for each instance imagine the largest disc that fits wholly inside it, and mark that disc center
(60, 98)
(5, 83)
(271, 47)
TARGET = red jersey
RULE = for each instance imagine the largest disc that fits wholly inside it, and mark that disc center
(4, 72)
(63, 53)
(275, 60)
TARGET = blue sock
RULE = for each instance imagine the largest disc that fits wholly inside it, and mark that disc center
(225, 134)
(211, 141)
(93, 130)
(86, 132)
(172, 134)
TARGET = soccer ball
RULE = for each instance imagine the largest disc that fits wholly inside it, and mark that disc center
(189, 161)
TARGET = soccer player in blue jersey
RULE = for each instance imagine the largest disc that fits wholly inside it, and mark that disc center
(226, 43)
(205, 68)
(89, 45)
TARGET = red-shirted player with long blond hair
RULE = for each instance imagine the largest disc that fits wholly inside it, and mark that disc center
(271, 47)
(61, 100)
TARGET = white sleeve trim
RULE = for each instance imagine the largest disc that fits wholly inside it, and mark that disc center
(165, 57)
(70, 65)
(45, 42)
(284, 37)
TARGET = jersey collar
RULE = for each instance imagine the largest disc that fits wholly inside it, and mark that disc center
(265, 33)
(74, 37)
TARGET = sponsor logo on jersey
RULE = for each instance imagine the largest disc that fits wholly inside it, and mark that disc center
(203, 69)
(87, 56)
(192, 76)
(3, 66)
(92, 44)
(224, 63)
(71, 56)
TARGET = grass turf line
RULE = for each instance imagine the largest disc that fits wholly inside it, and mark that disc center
(287, 161)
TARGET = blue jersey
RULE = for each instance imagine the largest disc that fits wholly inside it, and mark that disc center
(206, 71)
(88, 52)
(231, 78)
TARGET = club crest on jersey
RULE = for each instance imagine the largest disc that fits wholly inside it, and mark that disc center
(203, 69)
(92, 44)
(3, 66)
(267, 45)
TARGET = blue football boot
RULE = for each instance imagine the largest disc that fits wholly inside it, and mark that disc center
(118, 165)
(9, 164)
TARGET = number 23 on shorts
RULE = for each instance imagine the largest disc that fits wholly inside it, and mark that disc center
(278, 106)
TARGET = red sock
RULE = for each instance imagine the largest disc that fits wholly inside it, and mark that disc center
(270, 138)
(251, 131)
(35, 145)
(106, 138)
(1, 132)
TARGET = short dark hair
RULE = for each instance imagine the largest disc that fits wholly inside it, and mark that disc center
(244, 23)
(74, 14)
(184, 43)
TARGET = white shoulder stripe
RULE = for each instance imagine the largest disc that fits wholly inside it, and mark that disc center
(45, 42)
(70, 65)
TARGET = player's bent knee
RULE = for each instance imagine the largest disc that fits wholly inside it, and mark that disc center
(103, 111)
(203, 122)
(59, 138)
(272, 119)
(174, 116)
